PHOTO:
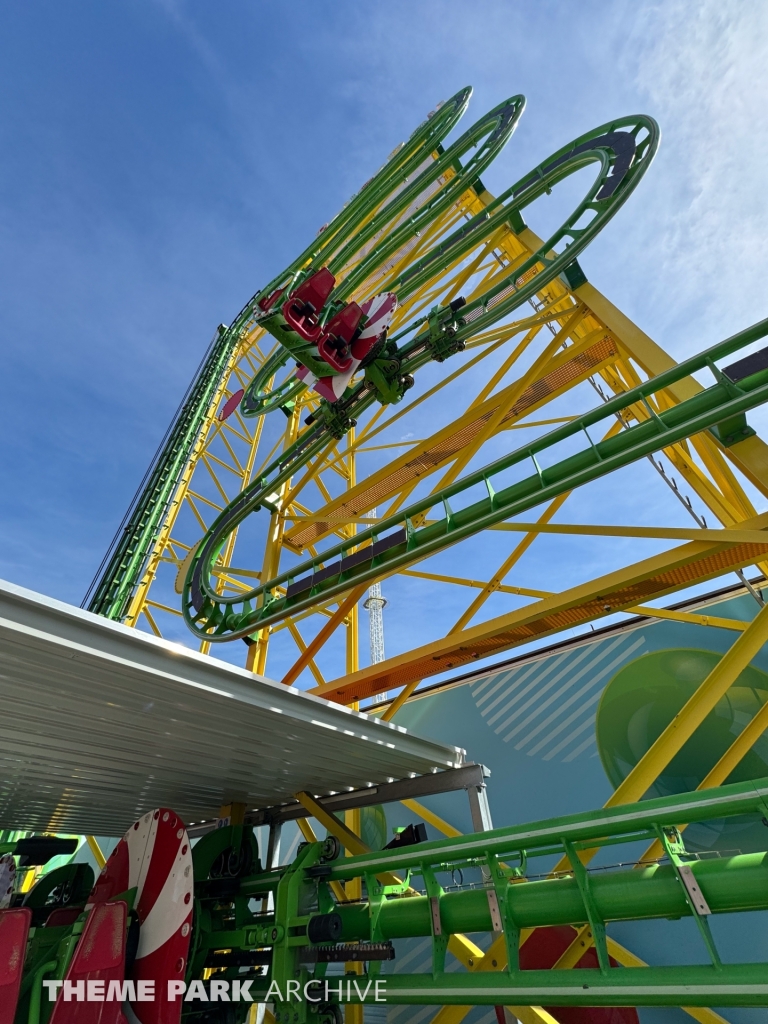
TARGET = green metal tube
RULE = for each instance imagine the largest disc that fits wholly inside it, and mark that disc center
(702, 411)
(423, 143)
(121, 575)
(36, 992)
(729, 884)
(733, 985)
(214, 616)
(630, 821)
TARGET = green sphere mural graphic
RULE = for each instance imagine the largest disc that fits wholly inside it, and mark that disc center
(643, 698)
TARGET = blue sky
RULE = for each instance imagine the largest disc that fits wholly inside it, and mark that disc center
(160, 159)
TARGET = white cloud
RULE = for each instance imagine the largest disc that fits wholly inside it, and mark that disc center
(703, 68)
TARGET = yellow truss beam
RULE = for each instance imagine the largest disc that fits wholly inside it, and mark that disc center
(95, 849)
(460, 581)
(496, 959)
(539, 370)
(695, 620)
(730, 760)
(750, 455)
(565, 369)
(722, 493)
(433, 819)
(671, 741)
(461, 947)
(685, 723)
(309, 834)
(664, 573)
(301, 644)
(334, 825)
(325, 633)
(493, 585)
(735, 533)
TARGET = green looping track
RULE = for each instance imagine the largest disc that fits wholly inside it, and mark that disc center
(419, 182)
(406, 537)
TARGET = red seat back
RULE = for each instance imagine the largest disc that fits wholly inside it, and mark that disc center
(99, 957)
(14, 929)
(315, 291)
(337, 337)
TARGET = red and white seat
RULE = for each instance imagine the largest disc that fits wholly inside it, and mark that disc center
(380, 311)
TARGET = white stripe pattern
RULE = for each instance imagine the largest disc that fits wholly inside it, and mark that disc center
(550, 702)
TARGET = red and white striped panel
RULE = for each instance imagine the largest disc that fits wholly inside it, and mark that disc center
(154, 855)
(380, 310)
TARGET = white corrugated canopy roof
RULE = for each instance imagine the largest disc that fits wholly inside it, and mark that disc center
(100, 723)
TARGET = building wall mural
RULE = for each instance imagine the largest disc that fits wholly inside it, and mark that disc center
(559, 729)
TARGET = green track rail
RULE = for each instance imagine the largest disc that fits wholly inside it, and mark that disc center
(123, 566)
(111, 592)
(622, 151)
(420, 181)
(407, 537)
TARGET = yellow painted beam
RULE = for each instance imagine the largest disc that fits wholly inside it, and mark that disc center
(353, 887)
(540, 369)
(623, 956)
(493, 585)
(461, 947)
(525, 1014)
(95, 849)
(730, 760)
(696, 620)
(211, 429)
(301, 644)
(627, 959)
(653, 577)
(689, 718)
(234, 811)
(750, 455)
(431, 818)
(642, 348)
(328, 629)
(476, 584)
(564, 371)
(512, 559)
(647, 532)
(29, 879)
(738, 750)
(399, 700)
(345, 835)
(496, 959)
(582, 942)
(686, 722)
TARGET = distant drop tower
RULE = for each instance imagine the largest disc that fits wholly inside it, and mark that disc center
(375, 605)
